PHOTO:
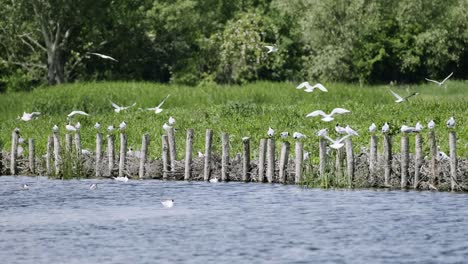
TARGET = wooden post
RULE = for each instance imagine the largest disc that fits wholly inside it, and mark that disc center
(350, 161)
(50, 146)
(261, 160)
(98, 154)
(299, 159)
(339, 162)
(14, 152)
(283, 161)
(123, 154)
(453, 159)
(225, 156)
(373, 157)
(172, 148)
(110, 153)
(417, 159)
(433, 146)
(208, 143)
(143, 154)
(387, 159)
(78, 144)
(246, 159)
(270, 173)
(57, 160)
(404, 160)
(32, 154)
(188, 155)
(165, 155)
(68, 142)
(1, 158)
(322, 156)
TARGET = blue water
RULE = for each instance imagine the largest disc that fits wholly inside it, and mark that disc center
(65, 222)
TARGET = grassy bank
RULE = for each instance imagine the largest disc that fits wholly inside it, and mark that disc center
(239, 110)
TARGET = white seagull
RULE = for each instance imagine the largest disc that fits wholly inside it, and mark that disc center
(168, 203)
(309, 88)
(28, 116)
(418, 127)
(97, 125)
(284, 134)
(120, 108)
(171, 121)
(110, 129)
(322, 132)
(431, 124)
(297, 135)
(270, 132)
(442, 82)
(166, 126)
(121, 179)
(400, 99)
(77, 113)
(451, 122)
(103, 56)
(372, 128)
(78, 126)
(55, 128)
(93, 186)
(214, 180)
(338, 143)
(385, 128)
(328, 117)
(407, 129)
(200, 154)
(306, 155)
(158, 108)
(271, 49)
(25, 187)
(70, 128)
(122, 125)
(350, 131)
(340, 130)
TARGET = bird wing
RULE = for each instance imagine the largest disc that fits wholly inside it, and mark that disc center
(343, 138)
(450, 75)
(103, 56)
(413, 94)
(396, 95)
(316, 113)
(162, 102)
(35, 113)
(302, 85)
(339, 111)
(77, 113)
(330, 139)
(270, 48)
(321, 87)
(114, 105)
(433, 81)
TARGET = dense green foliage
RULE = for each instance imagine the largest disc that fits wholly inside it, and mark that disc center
(192, 42)
(238, 110)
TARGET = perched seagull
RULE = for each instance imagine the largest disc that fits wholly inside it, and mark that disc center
(122, 125)
(214, 180)
(322, 132)
(271, 49)
(121, 179)
(28, 116)
(120, 108)
(103, 56)
(284, 134)
(78, 126)
(133, 153)
(328, 118)
(431, 124)
(442, 155)
(86, 152)
(166, 126)
(158, 108)
(168, 203)
(110, 129)
(97, 125)
(372, 128)
(297, 135)
(407, 129)
(21, 140)
(451, 122)
(400, 99)
(350, 131)
(200, 154)
(171, 121)
(385, 128)
(340, 130)
(306, 155)
(418, 127)
(55, 128)
(338, 143)
(70, 128)
(20, 150)
(25, 187)
(309, 88)
(77, 113)
(270, 132)
(93, 186)
(442, 82)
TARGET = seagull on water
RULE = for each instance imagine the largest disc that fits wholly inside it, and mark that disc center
(106, 57)
(340, 130)
(284, 134)
(93, 186)
(322, 132)
(271, 49)
(385, 128)
(442, 82)
(350, 131)
(168, 203)
(121, 179)
(297, 135)
(400, 99)
(372, 128)
(171, 121)
(158, 108)
(418, 127)
(25, 187)
(270, 132)
(97, 125)
(77, 113)
(309, 88)
(28, 116)
(120, 108)
(451, 122)
(338, 143)
(328, 117)
(214, 180)
(431, 124)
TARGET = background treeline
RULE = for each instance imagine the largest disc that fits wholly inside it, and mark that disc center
(195, 42)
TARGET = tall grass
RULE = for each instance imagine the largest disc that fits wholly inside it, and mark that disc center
(239, 110)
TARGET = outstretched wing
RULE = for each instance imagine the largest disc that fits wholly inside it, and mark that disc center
(103, 56)
(77, 113)
(316, 113)
(413, 94)
(330, 139)
(114, 105)
(343, 138)
(321, 87)
(433, 81)
(339, 111)
(396, 95)
(35, 113)
(450, 75)
(302, 85)
(162, 102)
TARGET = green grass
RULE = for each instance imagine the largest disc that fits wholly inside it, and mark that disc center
(239, 110)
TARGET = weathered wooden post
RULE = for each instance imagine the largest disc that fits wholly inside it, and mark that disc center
(143, 154)
(57, 160)
(172, 148)
(32, 154)
(283, 161)
(350, 161)
(261, 160)
(453, 159)
(298, 161)
(373, 156)
(98, 154)
(123, 154)
(417, 159)
(1, 158)
(14, 152)
(246, 159)
(404, 160)
(322, 156)
(110, 153)
(50, 146)
(188, 155)
(78, 144)
(225, 156)
(68, 142)
(339, 162)
(433, 149)
(387, 159)
(208, 144)
(165, 156)
(270, 173)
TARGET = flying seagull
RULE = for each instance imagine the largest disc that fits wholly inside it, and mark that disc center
(271, 49)
(328, 117)
(77, 113)
(442, 82)
(103, 56)
(400, 99)
(158, 108)
(338, 143)
(28, 116)
(120, 108)
(309, 88)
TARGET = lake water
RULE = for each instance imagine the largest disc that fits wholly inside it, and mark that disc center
(66, 222)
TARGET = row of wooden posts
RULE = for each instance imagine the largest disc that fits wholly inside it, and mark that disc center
(266, 156)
